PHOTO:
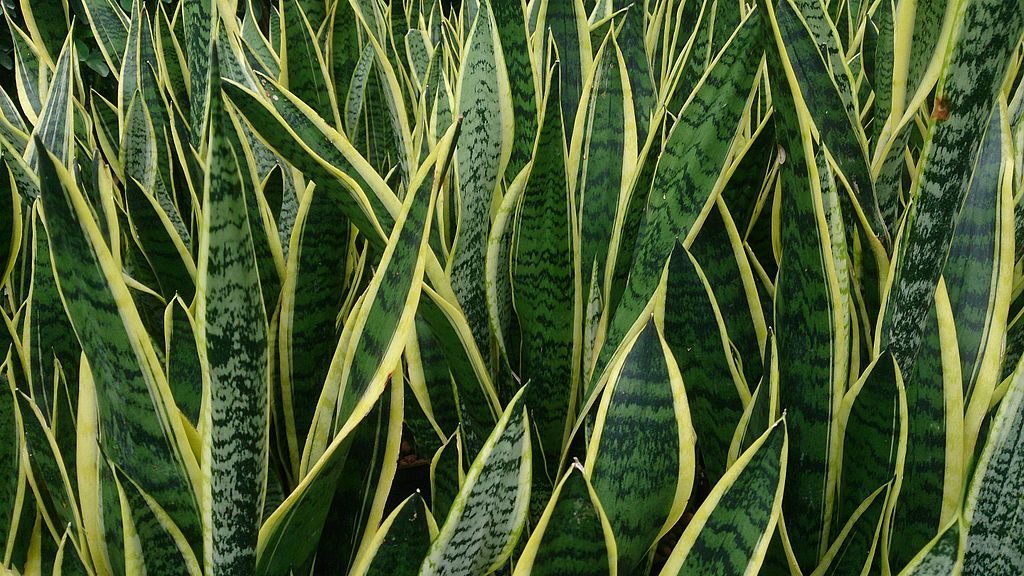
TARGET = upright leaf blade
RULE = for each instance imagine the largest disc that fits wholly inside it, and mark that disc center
(391, 300)
(55, 125)
(684, 187)
(483, 153)
(139, 424)
(509, 17)
(401, 541)
(808, 316)
(310, 305)
(487, 516)
(232, 329)
(972, 75)
(696, 334)
(573, 535)
(544, 290)
(641, 453)
(994, 512)
(730, 532)
(873, 424)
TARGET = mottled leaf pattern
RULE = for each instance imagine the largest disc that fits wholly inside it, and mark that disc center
(487, 516)
(573, 535)
(641, 453)
(730, 532)
(602, 286)
(233, 336)
(994, 515)
(483, 152)
(683, 190)
(971, 76)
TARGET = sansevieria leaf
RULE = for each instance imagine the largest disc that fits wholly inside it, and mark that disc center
(9, 454)
(232, 334)
(573, 535)
(994, 512)
(401, 541)
(566, 23)
(353, 389)
(138, 422)
(54, 127)
(932, 482)
(516, 52)
(641, 457)
(310, 305)
(10, 224)
(808, 316)
(872, 421)
(488, 515)
(303, 69)
(821, 93)
(695, 333)
(983, 247)
(605, 149)
(856, 546)
(684, 187)
(47, 347)
(544, 287)
(730, 532)
(940, 556)
(198, 17)
(483, 153)
(110, 28)
(972, 74)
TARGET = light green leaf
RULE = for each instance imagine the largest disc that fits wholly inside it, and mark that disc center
(232, 335)
(490, 511)
(971, 76)
(483, 153)
(994, 513)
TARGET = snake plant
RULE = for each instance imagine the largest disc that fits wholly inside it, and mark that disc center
(567, 287)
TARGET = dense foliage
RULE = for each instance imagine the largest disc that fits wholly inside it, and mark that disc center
(553, 287)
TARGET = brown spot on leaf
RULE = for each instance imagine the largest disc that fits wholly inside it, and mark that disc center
(940, 111)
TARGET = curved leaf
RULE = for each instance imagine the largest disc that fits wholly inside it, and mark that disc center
(730, 532)
(573, 536)
(401, 541)
(488, 515)
(994, 512)
(641, 458)
(695, 332)
(685, 185)
(139, 425)
(288, 538)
